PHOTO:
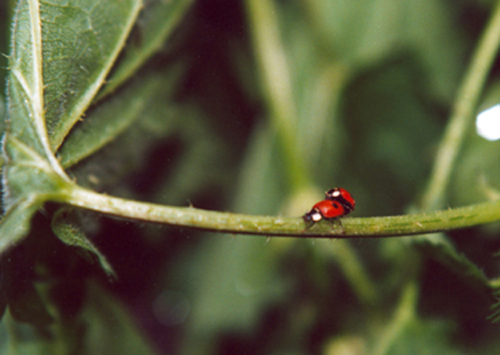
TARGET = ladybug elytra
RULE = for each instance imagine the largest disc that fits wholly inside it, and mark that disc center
(338, 203)
(343, 197)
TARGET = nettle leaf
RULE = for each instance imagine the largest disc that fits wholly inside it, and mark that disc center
(29, 180)
(107, 122)
(31, 172)
(125, 153)
(25, 116)
(495, 308)
(55, 71)
(156, 22)
(440, 248)
(81, 41)
(66, 226)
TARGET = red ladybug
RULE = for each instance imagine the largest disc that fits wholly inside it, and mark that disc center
(338, 203)
(343, 197)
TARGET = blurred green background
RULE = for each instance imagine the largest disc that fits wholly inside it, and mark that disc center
(272, 103)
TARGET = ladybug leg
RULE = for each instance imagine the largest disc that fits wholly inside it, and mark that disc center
(339, 222)
(308, 225)
(311, 217)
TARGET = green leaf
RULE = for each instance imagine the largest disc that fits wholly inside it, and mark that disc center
(81, 41)
(3, 110)
(156, 23)
(423, 336)
(111, 329)
(29, 180)
(440, 248)
(109, 120)
(239, 277)
(31, 173)
(27, 174)
(236, 279)
(65, 225)
(495, 316)
(103, 327)
(16, 223)
(26, 115)
(26, 305)
(362, 32)
(144, 111)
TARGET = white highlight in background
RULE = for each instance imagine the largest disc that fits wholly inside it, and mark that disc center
(488, 123)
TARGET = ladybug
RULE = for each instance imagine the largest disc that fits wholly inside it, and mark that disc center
(338, 203)
(343, 197)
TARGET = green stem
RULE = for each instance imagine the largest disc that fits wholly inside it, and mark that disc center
(277, 86)
(463, 113)
(283, 226)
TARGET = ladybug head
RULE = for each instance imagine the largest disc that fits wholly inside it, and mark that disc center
(343, 197)
(313, 216)
(333, 193)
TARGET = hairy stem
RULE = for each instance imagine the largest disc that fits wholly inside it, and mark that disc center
(372, 227)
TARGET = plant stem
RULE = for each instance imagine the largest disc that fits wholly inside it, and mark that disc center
(463, 113)
(372, 227)
(277, 87)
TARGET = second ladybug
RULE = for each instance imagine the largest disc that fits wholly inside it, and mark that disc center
(343, 197)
